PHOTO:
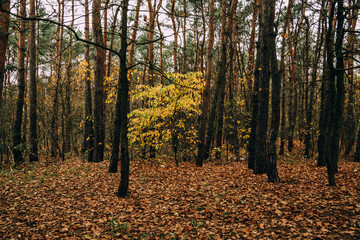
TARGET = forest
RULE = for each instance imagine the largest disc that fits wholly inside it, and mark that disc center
(188, 119)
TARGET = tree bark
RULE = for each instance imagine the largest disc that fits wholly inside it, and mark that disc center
(67, 104)
(272, 171)
(33, 86)
(183, 65)
(122, 107)
(17, 148)
(99, 101)
(263, 73)
(88, 146)
(309, 110)
(349, 124)
(221, 81)
(151, 77)
(251, 62)
(4, 33)
(57, 73)
(338, 109)
(282, 75)
(133, 35)
(172, 14)
(201, 156)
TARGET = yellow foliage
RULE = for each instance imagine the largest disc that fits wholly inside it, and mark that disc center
(168, 108)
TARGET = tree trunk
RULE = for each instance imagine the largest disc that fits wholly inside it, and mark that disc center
(251, 62)
(33, 88)
(151, 77)
(272, 171)
(357, 151)
(309, 110)
(349, 124)
(133, 35)
(99, 102)
(122, 107)
(232, 118)
(172, 14)
(57, 72)
(161, 41)
(88, 146)
(338, 109)
(4, 33)
(221, 81)
(68, 118)
(183, 65)
(201, 156)
(17, 148)
(292, 40)
(262, 63)
(220, 84)
(283, 75)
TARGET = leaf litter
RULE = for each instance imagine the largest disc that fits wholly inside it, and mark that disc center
(76, 200)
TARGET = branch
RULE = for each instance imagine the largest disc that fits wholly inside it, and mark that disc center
(78, 38)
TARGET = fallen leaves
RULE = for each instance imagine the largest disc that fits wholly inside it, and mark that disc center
(76, 200)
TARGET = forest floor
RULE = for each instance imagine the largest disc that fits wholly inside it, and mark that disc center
(75, 200)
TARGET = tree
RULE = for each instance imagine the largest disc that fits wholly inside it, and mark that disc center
(88, 145)
(201, 156)
(310, 100)
(67, 103)
(99, 101)
(184, 59)
(134, 32)
(172, 14)
(283, 74)
(225, 37)
(335, 92)
(4, 33)
(272, 172)
(58, 74)
(33, 86)
(262, 76)
(254, 104)
(122, 107)
(349, 123)
(17, 148)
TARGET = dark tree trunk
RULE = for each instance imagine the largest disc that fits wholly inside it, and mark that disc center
(335, 94)
(33, 89)
(324, 116)
(4, 33)
(221, 81)
(338, 109)
(263, 75)
(357, 150)
(88, 146)
(99, 101)
(272, 171)
(17, 148)
(201, 156)
(122, 107)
